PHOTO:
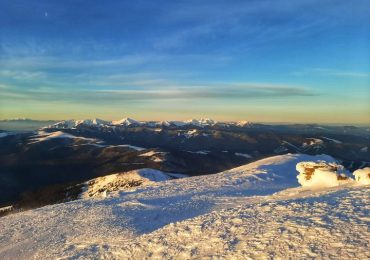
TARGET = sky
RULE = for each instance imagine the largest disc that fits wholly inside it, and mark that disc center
(304, 61)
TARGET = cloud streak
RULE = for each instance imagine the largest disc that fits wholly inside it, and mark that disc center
(332, 73)
(223, 92)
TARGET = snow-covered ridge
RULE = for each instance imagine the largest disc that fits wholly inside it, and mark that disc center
(129, 122)
(45, 136)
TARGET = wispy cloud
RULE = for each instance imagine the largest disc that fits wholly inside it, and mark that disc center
(331, 73)
(224, 91)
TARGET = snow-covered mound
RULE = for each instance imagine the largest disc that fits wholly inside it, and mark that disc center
(123, 181)
(321, 174)
(254, 211)
(362, 176)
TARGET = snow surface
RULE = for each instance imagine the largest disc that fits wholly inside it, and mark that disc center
(253, 211)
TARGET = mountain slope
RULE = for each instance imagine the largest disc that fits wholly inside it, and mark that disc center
(238, 211)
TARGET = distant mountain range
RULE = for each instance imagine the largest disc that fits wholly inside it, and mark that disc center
(203, 122)
(24, 124)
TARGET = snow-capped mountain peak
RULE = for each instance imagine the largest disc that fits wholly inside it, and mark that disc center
(201, 122)
(126, 121)
(243, 123)
(95, 121)
(65, 124)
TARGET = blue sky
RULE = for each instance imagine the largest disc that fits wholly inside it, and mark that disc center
(266, 61)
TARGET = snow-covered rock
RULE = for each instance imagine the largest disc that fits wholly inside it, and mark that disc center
(321, 174)
(362, 176)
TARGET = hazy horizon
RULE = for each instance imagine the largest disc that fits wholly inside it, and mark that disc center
(261, 61)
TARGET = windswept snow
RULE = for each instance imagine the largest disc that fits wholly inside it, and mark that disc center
(333, 226)
(253, 211)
